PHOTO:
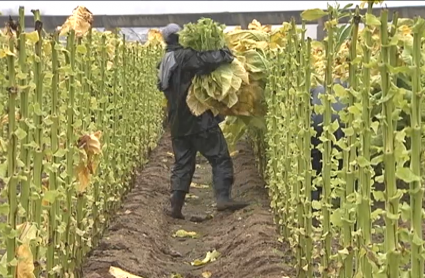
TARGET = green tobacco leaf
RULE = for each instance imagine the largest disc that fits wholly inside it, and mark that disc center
(339, 90)
(20, 133)
(313, 14)
(4, 209)
(362, 161)
(419, 26)
(81, 49)
(50, 196)
(60, 153)
(406, 175)
(372, 20)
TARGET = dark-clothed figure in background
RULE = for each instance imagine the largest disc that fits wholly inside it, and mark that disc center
(189, 133)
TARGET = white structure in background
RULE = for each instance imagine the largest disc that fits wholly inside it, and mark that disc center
(134, 34)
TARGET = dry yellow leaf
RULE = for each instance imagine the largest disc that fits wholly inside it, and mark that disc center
(45, 202)
(25, 266)
(81, 21)
(119, 273)
(206, 274)
(210, 257)
(234, 153)
(155, 38)
(90, 143)
(5, 118)
(200, 186)
(83, 178)
(184, 234)
(256, 25)
(191, 196)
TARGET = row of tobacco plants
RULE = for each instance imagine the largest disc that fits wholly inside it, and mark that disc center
(368, 221)
(78, 116)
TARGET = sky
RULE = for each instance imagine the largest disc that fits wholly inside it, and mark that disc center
(168, 7)
(173, 7)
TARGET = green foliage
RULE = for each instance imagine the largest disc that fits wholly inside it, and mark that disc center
(386, 148)
(204, 35)
(79, 118)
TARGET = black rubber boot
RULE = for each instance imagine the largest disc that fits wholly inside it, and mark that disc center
(177, 202)
(224, 202)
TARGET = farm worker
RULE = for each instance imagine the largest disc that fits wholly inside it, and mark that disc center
(317, 123)
(190, 134)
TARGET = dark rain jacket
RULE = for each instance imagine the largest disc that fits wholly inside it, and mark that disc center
(176, 71)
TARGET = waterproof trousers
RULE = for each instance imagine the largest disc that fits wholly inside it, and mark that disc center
(213, 146)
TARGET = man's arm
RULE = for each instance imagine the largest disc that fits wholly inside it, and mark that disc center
(158, 81)
(205, 62)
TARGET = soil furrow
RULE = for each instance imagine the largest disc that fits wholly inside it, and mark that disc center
(140, 239)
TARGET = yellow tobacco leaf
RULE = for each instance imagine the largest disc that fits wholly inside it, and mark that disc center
(184, 234)
(119, 273)
(25, 266)
(210, 257)
(196, 185)
(206, 274)
(32, 36)
(109, 65)
(2, 53)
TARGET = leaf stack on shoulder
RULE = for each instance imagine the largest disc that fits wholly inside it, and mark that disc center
(250, 47)
(217, 91)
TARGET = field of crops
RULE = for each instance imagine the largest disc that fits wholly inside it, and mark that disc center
(77, 119)
(364, 225)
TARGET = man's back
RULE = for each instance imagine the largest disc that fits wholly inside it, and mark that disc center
(182, 65)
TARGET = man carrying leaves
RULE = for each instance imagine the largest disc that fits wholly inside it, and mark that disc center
(190, 133)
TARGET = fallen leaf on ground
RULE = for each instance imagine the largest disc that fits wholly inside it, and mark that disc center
(196, 185)
(206, 274)
(127, 212)
(176, 275)
(183, 234)
(197, 166)
(170, 154)
(234, 153)
(191, 196)
(210, 257)
(119, 273)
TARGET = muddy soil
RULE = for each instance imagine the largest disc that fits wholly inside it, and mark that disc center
(140, 239)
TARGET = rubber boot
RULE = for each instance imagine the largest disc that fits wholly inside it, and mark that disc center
(177, 202)
(224, 202)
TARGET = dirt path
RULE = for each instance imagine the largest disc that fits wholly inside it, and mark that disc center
(140, 239)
